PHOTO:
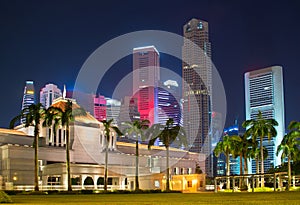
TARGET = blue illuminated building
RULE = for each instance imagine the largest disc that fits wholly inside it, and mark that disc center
(234, 162)
(169, 102)
(168, 105)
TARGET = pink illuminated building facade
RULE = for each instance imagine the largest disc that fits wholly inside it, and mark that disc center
(145, 81)
(100, 108)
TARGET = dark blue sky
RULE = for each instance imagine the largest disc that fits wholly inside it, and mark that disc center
(48, 41)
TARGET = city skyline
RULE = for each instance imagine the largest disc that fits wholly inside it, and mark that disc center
(32, 45)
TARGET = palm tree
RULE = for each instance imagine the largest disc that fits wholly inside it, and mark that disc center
(107, 128)
(33, 115)
(167, 135)
(260, 128)
(245, 149)
(240, 149)
(256, 154)
(52, 119)
(137, 130)
(237, 151)
(289, 147)
(63, 116)
(294, 126)
(226, 146)
(66, 118)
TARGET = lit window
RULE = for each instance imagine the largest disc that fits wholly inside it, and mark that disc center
(156, 184)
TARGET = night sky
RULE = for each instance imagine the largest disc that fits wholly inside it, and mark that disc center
(48, 42)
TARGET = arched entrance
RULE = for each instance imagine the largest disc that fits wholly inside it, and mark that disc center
(88, 181)
(100, 181)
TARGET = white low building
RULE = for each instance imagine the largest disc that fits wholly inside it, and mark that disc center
(87, 159)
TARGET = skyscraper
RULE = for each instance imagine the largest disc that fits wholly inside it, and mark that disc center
(264, 92)
(197, 88)
(146, 76)
(49, 93)
(28, 97)
(113, 107)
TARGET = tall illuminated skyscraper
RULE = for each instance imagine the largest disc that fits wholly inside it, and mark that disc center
(146, 77)
(48, 94)
(264, 92)
(28, 97)
(197, 88)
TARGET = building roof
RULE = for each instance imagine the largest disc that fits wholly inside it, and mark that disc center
(144, 146)
(129, 148)
(151, 48)
(87, 118)
(11, 131)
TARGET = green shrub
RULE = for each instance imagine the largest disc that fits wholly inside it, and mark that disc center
(226, 190)
(13, 192)
(68, 192)
(87, 191)
(139, 191)
(34, 193)
(121, 191)
(294, 188)
(244, 188)
(171, 191)
(4, 198)
(263, 189)
(155, 191)
(52, 191)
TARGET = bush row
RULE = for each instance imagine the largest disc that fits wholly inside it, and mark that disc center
(15, 192)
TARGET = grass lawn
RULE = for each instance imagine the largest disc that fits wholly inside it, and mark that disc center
(278, 198)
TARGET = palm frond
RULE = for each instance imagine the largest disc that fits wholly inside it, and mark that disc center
(14, 121)
(117, 130)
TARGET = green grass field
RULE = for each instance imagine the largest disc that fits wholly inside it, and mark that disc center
(279, 198)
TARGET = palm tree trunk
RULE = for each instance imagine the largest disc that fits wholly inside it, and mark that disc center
(246, 168)
(106, 164)
(36, 159)
(68, 157)
(53, 134)
(241, 169)
(227, 171)
(168, 171)
(262, 183)
(245, 165)
(241, 164)
(289, 172)
(137, 186)
(257, 171)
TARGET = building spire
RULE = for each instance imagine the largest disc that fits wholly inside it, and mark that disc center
(64, 92)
